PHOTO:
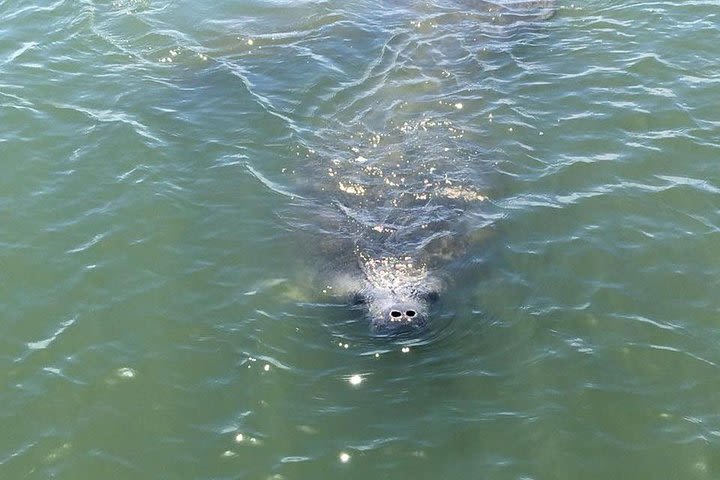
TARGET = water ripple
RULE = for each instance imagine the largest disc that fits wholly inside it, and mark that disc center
(151, 267)
(43, 344)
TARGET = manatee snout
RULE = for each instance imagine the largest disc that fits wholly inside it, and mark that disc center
(391, 317)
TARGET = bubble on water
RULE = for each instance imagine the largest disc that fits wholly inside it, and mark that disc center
(344, 457)
(459, 106)
(126, 372)
(59, 452)
(266, 367)
(239, 437)
(307, 429)
(228, 454)
(355, 379)
(405, 349)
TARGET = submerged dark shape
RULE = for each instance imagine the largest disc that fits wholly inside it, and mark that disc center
(390, 213)
(499, 12)
(516, 10)
(389, 222)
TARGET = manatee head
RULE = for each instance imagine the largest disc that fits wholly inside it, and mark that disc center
(397, 294)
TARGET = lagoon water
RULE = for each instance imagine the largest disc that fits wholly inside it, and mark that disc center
(155, 319)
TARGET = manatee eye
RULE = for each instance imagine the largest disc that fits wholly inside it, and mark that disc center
(432, 296)
(410, 313)
(395, 314)
(358, 299)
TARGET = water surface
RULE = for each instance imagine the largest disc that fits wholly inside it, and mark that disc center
(156, 320)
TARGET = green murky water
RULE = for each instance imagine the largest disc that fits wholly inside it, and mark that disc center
(155, 320)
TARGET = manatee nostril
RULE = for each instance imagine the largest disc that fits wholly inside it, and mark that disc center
(395, 314)
(410, 313)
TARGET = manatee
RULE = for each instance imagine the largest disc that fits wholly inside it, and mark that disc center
(387, 219)
(389, 206)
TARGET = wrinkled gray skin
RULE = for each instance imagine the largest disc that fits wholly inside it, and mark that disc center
(388, 227)
(389, 213)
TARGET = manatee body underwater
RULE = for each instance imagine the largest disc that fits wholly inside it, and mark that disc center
(392, 197)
